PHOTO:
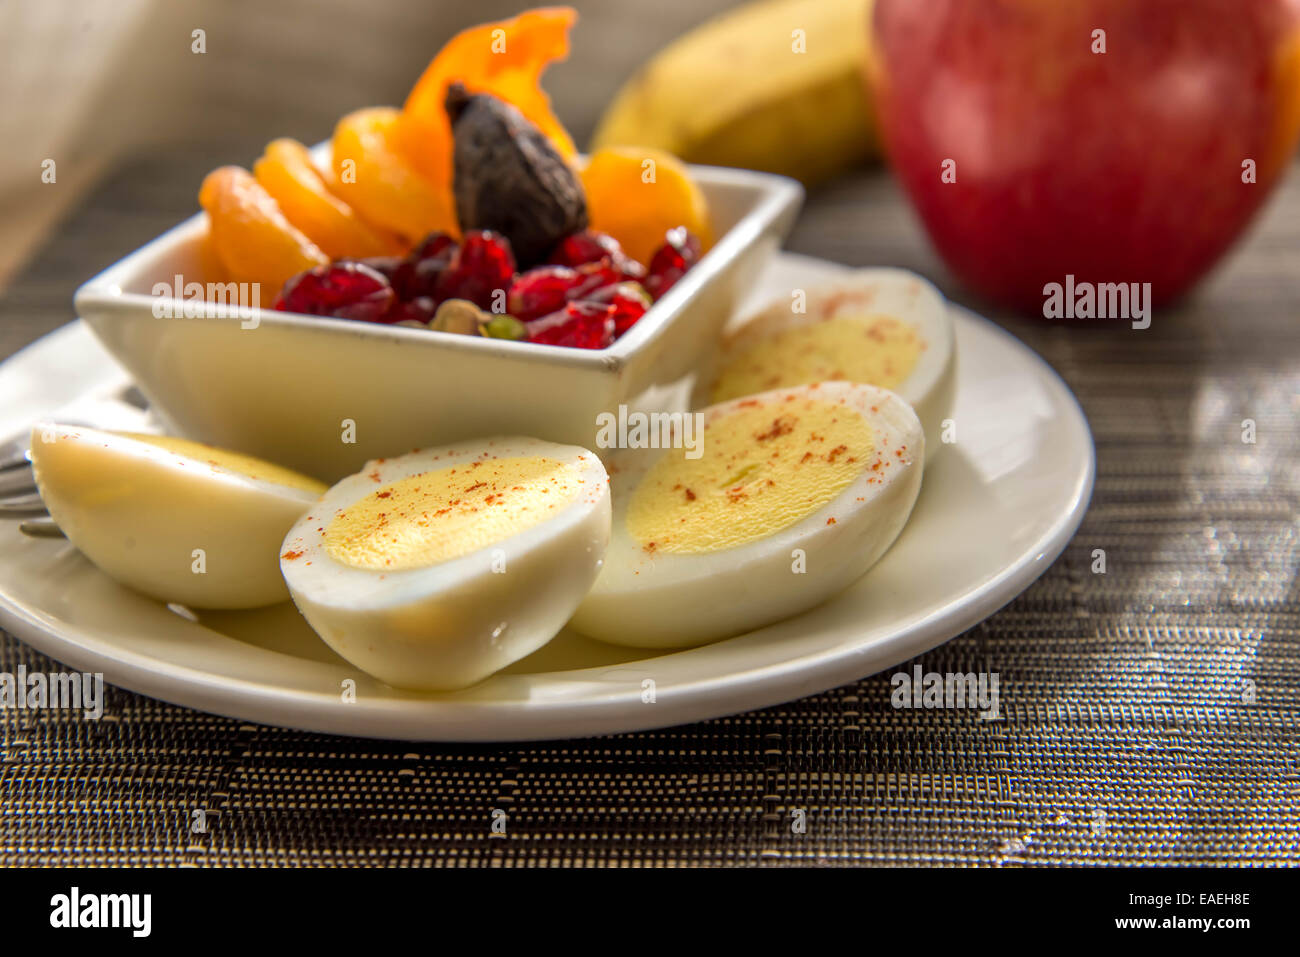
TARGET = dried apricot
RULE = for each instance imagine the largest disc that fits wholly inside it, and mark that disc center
(250, 234)
(506, 59)
(377, 180)
(287, 172)
(637, 195)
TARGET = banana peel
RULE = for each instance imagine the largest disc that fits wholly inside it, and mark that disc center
(776, 85)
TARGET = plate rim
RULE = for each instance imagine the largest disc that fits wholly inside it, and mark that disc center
(682, 702)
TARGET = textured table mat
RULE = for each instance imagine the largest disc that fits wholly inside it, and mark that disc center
(1149, 713)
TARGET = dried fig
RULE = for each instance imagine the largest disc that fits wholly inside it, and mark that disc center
(508, 177)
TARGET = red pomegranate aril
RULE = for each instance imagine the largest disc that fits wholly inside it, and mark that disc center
(593, 276)
(423, 276)
(342, 290)
(395, 269)
(671, 261)
(630, 303)
(482, 265)
(587, 246)
(541, 291)
(423, 266)
(420, 310)
(630, 268)
(437, 245)
(579, 325)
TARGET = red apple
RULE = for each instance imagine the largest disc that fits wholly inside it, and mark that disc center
(1134, 154)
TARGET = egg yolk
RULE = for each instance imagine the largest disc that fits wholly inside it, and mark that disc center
(875, 350)
(764, 467)
(245, 465)
(449, 512)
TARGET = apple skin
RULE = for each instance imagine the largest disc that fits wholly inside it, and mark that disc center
(1123, 166)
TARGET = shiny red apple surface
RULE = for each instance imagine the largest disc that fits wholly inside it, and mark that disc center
(1115, 141)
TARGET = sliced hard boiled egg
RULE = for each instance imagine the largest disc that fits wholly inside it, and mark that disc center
(433, 570)
(883, 327)
(792, 496)
(177, 520)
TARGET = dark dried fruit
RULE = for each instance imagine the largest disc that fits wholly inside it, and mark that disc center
(508, 177)
(342, 290)
(579, 325)
(482, 265)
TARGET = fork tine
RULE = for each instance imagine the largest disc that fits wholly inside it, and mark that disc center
(15, 480)
(41, 528)
(21, 506)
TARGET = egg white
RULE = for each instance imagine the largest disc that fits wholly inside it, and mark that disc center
(897, 293)
(668, 599)
(173, 526)
(451, 623)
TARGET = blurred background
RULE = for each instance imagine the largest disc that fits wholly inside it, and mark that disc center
(90, 84)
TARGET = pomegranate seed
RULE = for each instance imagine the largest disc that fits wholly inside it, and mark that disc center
(419, 310)
(590, 246)
(671, 261)
(541, 291)
(593, 276)
(579, 325)
(482, 265)
(587, 246)
(630, 303)
(630, 268)
(343, 290)
(436, 245)
(425, 265)
(396, 270)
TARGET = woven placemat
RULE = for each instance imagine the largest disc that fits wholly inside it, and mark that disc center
(1149, 714)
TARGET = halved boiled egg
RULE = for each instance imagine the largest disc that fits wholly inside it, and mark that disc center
(177, 520)
(793, 495)
(883, 327)
(435, 569)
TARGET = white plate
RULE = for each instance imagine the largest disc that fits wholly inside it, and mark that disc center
(996, 508)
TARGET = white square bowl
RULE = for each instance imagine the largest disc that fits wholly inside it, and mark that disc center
(324, 395)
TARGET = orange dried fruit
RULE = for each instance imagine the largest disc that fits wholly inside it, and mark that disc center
(637, 195)
(506, 59)
(377, 180)
(250, 234)
(287, 172)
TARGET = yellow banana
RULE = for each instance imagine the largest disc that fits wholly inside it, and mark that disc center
(775, 85)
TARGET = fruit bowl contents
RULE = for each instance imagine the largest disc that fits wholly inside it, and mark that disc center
(467, 211)
(586, 295)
